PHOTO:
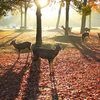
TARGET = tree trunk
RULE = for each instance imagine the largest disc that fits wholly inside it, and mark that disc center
(58, 17)
(67, 17)
(39, 33)
(90, 21)
(83, 20)
(83, 24)
(25, 23)
(21, 15)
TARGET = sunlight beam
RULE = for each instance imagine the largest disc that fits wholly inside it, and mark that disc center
(42, 2)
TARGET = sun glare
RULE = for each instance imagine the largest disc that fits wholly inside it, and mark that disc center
(43, 2)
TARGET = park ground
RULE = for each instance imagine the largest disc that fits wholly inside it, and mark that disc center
(76, 67)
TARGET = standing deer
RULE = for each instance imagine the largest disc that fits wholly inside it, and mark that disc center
(99, 35)
(47, 54)
(87, 30)
(69, 28)
(24, 45)
(84, 35)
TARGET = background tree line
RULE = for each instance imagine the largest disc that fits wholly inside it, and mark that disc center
(83, 7)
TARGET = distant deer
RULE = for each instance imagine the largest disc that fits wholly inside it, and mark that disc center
(87, 29)
(22, 27)
(47, 54)
(14, 27)
(69, 28)
(24, 45)
(99, 35)
(84, 35)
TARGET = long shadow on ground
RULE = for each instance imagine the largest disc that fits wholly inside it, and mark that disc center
(11, 39)
(82, 47)
(32, 90)
(10, 83)
(7, 35)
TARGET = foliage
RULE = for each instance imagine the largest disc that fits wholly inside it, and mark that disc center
(86, 10)
(82, 9)
(62, 3)
(94, 5)
(12, 6)
(6, 6)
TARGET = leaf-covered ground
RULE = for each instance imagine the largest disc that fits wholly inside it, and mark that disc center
(76, 68)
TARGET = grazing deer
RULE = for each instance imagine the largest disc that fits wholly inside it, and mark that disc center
(87, 30)
(84, 35)
(69, 28)
(99, 35)
(47, 54)
(24, 45)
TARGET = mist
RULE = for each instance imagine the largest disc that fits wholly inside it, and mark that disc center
(49, 19)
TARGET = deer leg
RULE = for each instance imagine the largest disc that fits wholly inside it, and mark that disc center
(27, 58)
(99, 36)
(19, 54)
(29, 50)
(51, 67)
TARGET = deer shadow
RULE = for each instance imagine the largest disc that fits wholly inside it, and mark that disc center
(10, 83)
(3, 44)
(32, 90)
(53, 88)
(86, 51)
(96, 37)
(82, 47)
(6, 36)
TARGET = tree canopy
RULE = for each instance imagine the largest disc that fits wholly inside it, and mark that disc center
(12, 6)
(8, 5)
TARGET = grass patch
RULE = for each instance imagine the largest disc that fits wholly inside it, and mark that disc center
(48, 38)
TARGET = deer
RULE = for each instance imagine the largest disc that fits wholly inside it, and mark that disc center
(84, 35)
(87, 29)
(69, 28)
(98, 35)
(49, 54)
(19, 47)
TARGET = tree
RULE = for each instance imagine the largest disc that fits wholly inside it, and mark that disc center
(8, 5)
(67, 17)
(61, 5)
(83, 20)
(84, 10)
(21, 14)
(58, 17)
(87, 11)
(27, 5)
(95, 7)
(14, 7)
(38, 14)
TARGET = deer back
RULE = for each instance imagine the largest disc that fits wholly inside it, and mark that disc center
(46, 53)
(23, 45)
